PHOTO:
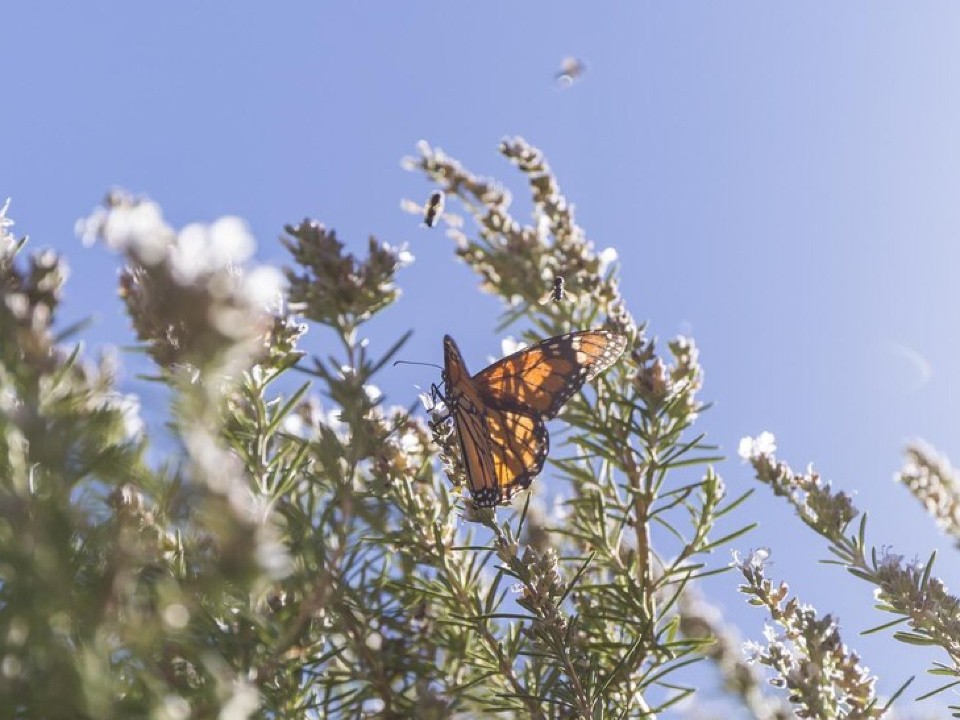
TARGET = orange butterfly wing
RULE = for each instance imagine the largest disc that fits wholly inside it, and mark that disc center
(545, 376)
(499, 412)
(519, 447)
(503, 448)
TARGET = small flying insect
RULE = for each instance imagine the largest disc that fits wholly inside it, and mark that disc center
(433, 209)
(571, 69)
(557, 293)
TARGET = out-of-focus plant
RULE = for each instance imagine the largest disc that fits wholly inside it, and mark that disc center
(306, 550)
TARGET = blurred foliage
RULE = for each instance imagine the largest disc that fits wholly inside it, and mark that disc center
(306, 550)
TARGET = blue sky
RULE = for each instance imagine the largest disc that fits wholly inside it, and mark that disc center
(781, 181)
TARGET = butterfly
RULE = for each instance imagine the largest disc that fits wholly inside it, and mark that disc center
(500, 413)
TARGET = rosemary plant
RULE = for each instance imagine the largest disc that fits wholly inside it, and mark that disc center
(306, 550)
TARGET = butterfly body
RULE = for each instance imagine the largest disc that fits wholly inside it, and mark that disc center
(500, 412)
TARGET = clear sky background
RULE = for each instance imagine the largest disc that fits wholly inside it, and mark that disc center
(781, 181)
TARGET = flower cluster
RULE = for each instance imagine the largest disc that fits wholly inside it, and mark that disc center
(672, 388)
(402, 459)
(824, 678)
(520, 262)
(931, 611)
(542, 589)
(190, 303)
(699, 620)
(336, 288)
(935, 483)
(905, 589)
(139, 524)
(29, 299)
(543, 585)
(445, 439)
(827, 512)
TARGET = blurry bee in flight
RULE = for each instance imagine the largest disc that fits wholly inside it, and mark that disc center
(433, 209)
(571, 69)
(557, 293)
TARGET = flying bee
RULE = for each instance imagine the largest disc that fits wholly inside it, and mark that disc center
(433, 209)
(571, 69)
(557, 293)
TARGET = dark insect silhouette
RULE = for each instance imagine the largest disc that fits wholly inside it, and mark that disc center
(433, 209)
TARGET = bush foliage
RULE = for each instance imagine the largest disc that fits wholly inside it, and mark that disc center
(305, 550)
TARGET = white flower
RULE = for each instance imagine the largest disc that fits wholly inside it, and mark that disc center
(752, 651)
(201, 249)
(770, 633)
(231, 239)
(401, 252)
(5, 222)
(263, 288)
(243, 702)
(888, 560)
(374, 641)
(332, 420)
(373, 393)
(293, 424)
(755, 559)
(510, 345)
(433, 405)
(136, 227)
(543, 230)
(176, 616)
(560, 510)
(764, 444)
(88, 228)
(174, 707)
(410, 443)
(129, 406)
(372, 707)
(607, 257)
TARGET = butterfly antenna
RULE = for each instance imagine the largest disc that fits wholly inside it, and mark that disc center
(412, 362)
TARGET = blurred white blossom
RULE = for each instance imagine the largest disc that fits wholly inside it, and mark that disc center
(244, 701)
(129, 406)
(5, 224)
(763, 444)
(509, 345)
(201, 249)
(263, 287)
(372, 392)
(131, 226)
(755, 559)
(607, 257)
(402, 253)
